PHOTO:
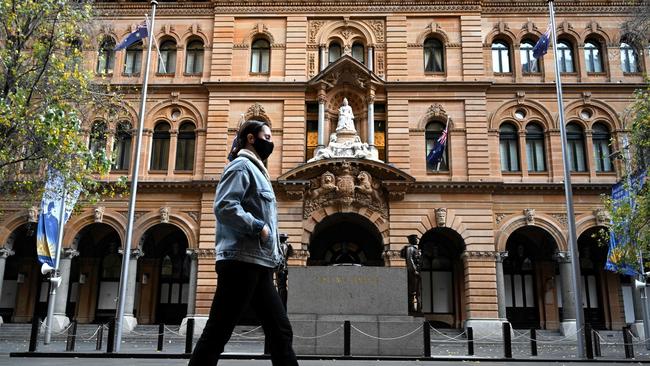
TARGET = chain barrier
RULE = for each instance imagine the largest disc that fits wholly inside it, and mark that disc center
(63, 331)
(604, 342)
(320, 336)
(452, 339)
(386, 338)
(246, 332)
(548, 341)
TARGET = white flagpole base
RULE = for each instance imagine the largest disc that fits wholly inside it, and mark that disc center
(59, 323)
(569, 330)
(129, 322)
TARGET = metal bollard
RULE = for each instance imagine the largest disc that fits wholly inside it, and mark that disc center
(33, 335)
(161, 337)
(627, 343)
(72, 337)
(346, 338)
(589, 342)
(426, 338)
(110, 342)
(189, 335)
(597, 351)
(470, 341)
(100, 337)
(533, 342)
(507, 341)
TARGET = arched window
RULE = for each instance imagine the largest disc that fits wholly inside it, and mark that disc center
(97, 144)
(160, 147)
(260, 56)
(106, 56)
(500, 57)
(565, 55)
(133, 59)
(433, 56)
(629, 58)
(535, 156)
(593, 56)
(122, 146)
(185, 147)
(576, 147)
(432, 133)
(358, 52)
(602, 151)
(167, 59)
(194, 57)
(529, 64)
(334, 51)
(509, 148)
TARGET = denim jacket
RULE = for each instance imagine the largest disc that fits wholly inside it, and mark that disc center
(244, 203)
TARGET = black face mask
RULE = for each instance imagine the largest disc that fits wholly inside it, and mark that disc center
(263, 148)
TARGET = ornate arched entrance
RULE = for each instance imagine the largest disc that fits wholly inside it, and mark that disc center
(529, 275)
(95, 275)
(442, 277)
(24, 289)
(595, 280)
(163, 276)
(345, 238)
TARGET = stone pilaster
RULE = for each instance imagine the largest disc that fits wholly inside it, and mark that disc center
(4, 254)
(130, 322)
(501, 284)
(568, 321)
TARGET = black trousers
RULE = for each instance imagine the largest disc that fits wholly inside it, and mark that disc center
(238, 285)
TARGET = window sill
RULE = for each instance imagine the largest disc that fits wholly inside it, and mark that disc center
(536, 173)
(135, 75)
(531, 74)
(581, 173)
(189, 172)
(158, 171)
(632, 73)
(195, 74)
(166, 74)
(511, 172)
(435, 73)
(502, 74)
(572, 73)
(596, 74)
(104, 74)
(119, 171)
(608, 173)
(259, 73)
(440, 172)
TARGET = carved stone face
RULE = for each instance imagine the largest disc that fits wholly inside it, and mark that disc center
(32, 214)
(345, 101)
(529, 214)
(601, 216)
(164, 215)
(328, 178)
(441, 216)
(99, 214)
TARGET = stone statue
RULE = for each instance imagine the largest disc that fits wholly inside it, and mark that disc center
(327, 184)
(99, 214)
(367, 187)
(441, 216)
(346, 118)
(413, 258)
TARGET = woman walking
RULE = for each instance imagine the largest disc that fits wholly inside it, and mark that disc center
(248, 250)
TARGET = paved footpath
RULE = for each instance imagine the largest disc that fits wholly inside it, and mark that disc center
(5, 360)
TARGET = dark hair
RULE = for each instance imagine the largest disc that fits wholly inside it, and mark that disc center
(250, 126)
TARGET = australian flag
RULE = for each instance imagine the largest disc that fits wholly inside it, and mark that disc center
(541, 47)
(140, 32)
(435, 155)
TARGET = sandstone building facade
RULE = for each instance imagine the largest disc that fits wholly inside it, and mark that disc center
(491, 218)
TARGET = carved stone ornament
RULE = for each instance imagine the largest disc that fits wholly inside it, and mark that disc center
(314, 27)
(391, 254)
(32, 214)
(99, 214)
(256, 110)
(529, 215)
(299, 254)
(561, 218)
(436, 110)
(499, 217)
(441, 217)
(602, 216)
(164, 215)
(344, 187)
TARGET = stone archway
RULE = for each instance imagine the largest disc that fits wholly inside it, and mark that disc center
(346, 239)
(530, 272)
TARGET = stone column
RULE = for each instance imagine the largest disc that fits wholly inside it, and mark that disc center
(321, 118)
(173, 142)
(371, 61)
(371, 119)
(568, 321)
(129, 321)
(322, 64)
(191, 296)
(637, 327)
(501, 284)
(60, 319)
(4, 253)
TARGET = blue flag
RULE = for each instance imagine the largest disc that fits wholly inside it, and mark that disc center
(140, 32)
(436, 154)
(541, 47)
(47, 238)
(620, 244)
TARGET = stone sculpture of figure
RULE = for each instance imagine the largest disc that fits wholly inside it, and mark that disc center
(346, 118)
(366, 187)
(327, 184)
(413, 257)
(99, 214)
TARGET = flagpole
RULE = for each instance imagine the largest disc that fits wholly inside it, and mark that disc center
(124, 278)
(573, 245)
(55, 272)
